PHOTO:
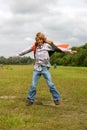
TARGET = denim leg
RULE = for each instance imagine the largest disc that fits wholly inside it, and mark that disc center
(53, 90)
(32, 91)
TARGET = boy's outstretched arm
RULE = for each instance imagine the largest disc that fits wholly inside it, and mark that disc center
(60, 50)
(23, 52)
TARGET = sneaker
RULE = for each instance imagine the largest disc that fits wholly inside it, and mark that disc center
(29, 102)
(57, 102)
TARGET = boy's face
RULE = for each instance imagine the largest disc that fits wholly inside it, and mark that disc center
(39, 41)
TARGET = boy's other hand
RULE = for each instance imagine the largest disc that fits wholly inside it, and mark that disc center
(73, 52)
(14, 56)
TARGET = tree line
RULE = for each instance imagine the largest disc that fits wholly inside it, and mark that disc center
(79, 59)
(16, 60)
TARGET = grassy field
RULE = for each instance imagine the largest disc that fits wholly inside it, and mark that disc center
(71, 114)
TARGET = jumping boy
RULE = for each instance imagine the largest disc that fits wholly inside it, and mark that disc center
(42, 49)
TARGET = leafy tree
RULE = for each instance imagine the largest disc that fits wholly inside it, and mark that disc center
(2, 60)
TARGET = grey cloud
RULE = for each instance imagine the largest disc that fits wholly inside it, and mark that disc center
(34, 6)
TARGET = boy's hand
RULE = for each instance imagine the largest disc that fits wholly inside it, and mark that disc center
(49, 41)
(15, 55)
(73, 52)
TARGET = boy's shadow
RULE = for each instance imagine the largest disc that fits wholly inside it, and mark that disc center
(51, 105)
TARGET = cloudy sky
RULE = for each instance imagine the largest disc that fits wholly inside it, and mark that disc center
(63, 21)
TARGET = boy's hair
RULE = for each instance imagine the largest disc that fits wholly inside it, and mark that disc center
(40, 36)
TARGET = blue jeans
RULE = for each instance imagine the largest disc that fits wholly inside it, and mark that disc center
(36, 76)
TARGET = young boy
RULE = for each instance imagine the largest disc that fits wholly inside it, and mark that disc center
(42, 49)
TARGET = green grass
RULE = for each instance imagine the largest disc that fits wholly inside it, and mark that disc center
(43, 114)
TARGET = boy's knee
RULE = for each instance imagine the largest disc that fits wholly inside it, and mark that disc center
(33, 86)
(50, 84)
